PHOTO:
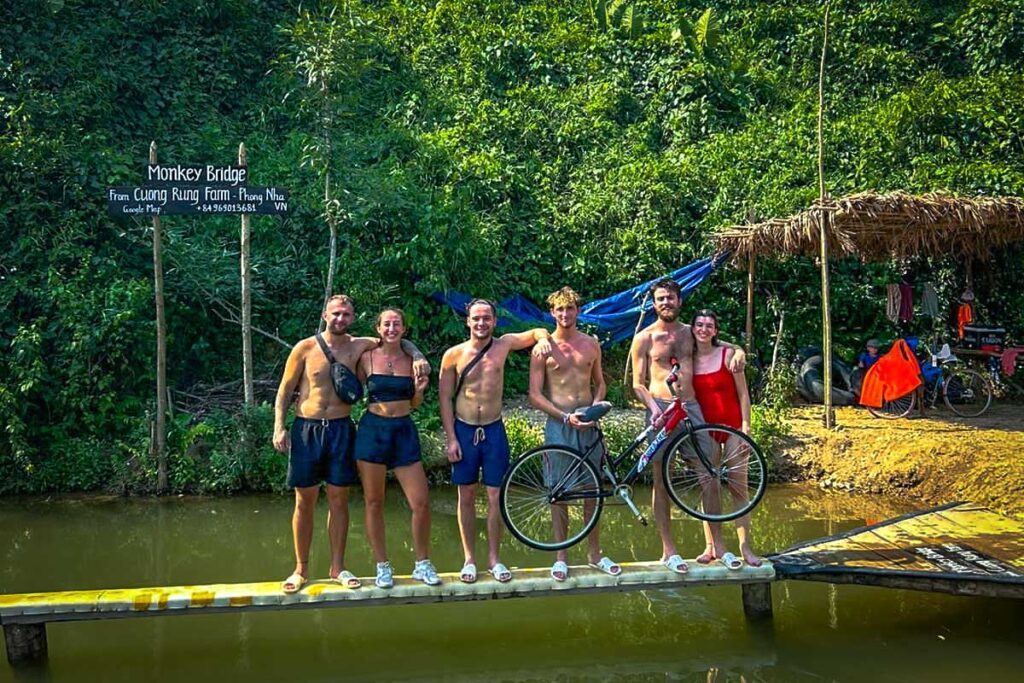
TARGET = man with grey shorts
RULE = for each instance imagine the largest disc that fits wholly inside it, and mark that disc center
(651, 353)
(563, 386)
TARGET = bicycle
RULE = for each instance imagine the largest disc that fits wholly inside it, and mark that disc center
(552, 496)
(966, 392)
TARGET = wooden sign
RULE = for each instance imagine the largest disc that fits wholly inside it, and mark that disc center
(187, 200)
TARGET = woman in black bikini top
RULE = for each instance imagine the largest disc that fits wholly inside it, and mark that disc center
(387, 439)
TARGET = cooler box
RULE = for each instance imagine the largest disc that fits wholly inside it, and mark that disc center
(984, 338)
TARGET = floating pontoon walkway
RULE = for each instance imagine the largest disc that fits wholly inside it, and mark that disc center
(959, 548)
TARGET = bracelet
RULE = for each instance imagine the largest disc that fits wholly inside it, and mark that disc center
(565, 418)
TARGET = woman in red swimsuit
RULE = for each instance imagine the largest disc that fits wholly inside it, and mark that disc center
(724, 399)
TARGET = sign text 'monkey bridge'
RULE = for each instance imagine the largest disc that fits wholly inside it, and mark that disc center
(196, 174)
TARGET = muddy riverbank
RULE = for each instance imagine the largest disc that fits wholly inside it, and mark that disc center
(935, 459)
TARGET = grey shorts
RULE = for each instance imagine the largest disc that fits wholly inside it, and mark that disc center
(587, 442)
(696, 417)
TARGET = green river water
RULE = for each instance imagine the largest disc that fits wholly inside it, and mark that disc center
(819, 632)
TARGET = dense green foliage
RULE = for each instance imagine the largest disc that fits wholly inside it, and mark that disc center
(490, 146)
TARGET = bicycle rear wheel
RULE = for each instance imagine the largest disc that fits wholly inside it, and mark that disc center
(900, 407)
(735, 482)
(967, 393)
(551, 497)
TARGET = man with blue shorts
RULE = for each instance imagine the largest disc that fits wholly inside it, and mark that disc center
(322, 438)
(470, 389)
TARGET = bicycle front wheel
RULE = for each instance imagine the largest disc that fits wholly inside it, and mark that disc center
(967, 393)
(727, 483)
(551, 497)
(900, 407)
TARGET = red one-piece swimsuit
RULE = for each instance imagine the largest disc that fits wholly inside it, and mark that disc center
(716, 394)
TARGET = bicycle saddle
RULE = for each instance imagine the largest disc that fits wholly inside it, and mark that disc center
(594, 412)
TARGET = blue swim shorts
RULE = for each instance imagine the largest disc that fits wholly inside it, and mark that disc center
(391, 441)
(483, 447)
(321, 451)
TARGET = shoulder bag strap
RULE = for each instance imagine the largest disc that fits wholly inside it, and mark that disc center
(326, 349)
(470, 365)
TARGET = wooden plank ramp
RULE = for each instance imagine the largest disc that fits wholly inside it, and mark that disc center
(959, 548)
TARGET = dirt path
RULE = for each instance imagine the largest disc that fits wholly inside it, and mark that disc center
(936, 459)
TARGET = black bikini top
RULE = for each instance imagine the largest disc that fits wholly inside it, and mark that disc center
(385, 388)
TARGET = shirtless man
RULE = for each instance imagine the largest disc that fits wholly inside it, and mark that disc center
(574, 384)
(651, 352)
(322, 437)
(474, 430)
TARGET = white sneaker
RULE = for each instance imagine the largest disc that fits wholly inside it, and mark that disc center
(424, 571)
(385, 576)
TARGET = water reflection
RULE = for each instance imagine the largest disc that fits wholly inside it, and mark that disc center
(819, 633)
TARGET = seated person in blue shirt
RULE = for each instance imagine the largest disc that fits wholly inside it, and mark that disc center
(865, 360)
(868, 357)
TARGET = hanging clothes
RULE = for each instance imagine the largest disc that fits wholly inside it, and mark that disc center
(929, 301)
(964, 316)
(892, 304)
(906, 302)
(1009, 360)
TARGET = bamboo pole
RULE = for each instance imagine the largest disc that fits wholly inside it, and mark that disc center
(160, 445)
(824, 228)
(246, 268)
(750, 304)
(751, 218)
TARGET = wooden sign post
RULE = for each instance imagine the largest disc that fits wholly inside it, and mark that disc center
(188, 190)
(246, 298)
(160, 440)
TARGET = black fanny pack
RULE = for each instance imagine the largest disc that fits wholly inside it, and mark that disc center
(346, 385)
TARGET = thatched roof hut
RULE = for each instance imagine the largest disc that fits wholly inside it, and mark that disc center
(880, 227)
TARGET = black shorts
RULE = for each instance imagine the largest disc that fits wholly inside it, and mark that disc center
(391, 441)
(322, 451)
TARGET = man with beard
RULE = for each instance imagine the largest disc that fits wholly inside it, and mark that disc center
(322, 436)
(473, 376)
(652, 352)
(573, 385)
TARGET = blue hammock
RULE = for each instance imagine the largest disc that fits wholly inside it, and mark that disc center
(615, 317)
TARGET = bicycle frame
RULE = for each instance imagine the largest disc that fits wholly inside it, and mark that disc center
(672, 417)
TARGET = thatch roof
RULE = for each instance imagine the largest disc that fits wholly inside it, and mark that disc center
(880, 227)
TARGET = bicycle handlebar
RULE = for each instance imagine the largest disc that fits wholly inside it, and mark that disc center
(673, 376)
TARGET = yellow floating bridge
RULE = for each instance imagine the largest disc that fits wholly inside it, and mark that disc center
(24, 616)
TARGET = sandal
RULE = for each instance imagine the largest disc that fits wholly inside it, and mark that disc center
(560, 571)
(347, 579)
(468, 573)
(731, 562)
(385, 575)
(676, 564)
(606, 565)
(293, 584)
(501, 573)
